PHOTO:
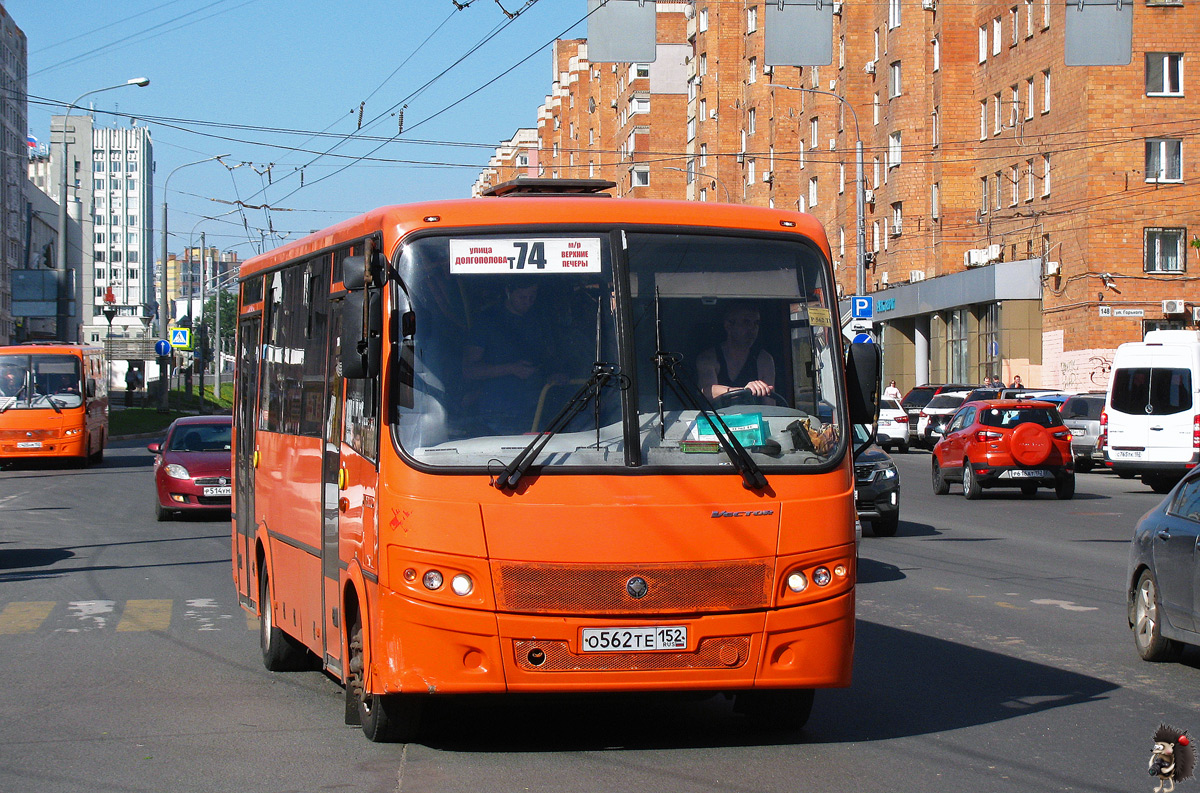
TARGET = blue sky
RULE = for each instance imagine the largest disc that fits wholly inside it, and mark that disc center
(305, 66)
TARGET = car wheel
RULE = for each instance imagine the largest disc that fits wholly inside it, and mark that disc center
(1126, 474)
(1029, 489)
(885, 526)
(971, 487)
(775, 709)
(1064, 488)
(1147, 634)
(160, 513)
(940, 486)
(1159, 484)
(903, 447)
(280, 652)
(385, 718)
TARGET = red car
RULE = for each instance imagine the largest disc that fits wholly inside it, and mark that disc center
(1005, 443)
(192, 466)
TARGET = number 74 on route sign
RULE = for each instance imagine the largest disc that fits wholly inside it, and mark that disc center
(181, 338)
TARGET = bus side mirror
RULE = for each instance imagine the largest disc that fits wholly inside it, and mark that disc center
(354, 272)
(361, 352)
(863, 367)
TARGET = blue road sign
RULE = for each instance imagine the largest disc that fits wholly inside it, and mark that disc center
(862, 338)
(162, 348)
(860, 307)
(181, 338)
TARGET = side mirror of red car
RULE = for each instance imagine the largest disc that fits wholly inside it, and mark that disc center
(154, 448)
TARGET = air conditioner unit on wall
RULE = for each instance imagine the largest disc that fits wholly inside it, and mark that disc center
(929, 5)
(1052, 268)
(883, 278)
(869, 68)
(768, 69)
(768, 176)
(869, 196)
(916, 275)
(1174, 306)
(1196, 314)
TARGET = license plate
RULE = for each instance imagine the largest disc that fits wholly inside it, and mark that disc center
(1126, 454)
(29, 444)
(634, 640)
(1030, 474)
(219, 491)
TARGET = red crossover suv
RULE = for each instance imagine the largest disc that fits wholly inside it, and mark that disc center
(1005, 443)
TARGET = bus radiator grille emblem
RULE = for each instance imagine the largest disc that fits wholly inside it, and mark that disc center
(637, 587)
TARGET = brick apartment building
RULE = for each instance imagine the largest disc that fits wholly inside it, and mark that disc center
(1022, 216)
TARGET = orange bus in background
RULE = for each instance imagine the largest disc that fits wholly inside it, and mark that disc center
(479, 448)
(53, 402)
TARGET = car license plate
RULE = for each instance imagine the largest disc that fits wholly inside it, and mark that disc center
(227, 490)
(29, 444)
(1126, 454)
(634, 640)
(1033, 473)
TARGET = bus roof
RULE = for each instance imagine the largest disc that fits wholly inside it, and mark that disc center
(49, 348)
(397, 221)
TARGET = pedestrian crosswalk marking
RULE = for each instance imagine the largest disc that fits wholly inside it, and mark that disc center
(24, 617)
(145, 615)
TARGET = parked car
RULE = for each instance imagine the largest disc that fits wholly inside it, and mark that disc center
(876, 487)
(1081, 414)
(1005, 443)
(893, 426)
(193, 466)
(936, 415)
(919, 396)
(1162, 607)
(1153, 416)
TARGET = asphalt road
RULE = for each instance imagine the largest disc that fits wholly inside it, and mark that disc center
(992, 655)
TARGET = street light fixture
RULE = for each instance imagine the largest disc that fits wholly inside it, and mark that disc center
(61, 328)
(165, 297)
(859, 196)
(716, 181)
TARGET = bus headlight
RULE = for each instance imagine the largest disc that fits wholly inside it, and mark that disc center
(177, 471)
(821, 576)
(75, 431)
(462, 584)
(432, 580)
(797, 582)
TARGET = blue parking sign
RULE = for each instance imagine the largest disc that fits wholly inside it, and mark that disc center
(860, 307)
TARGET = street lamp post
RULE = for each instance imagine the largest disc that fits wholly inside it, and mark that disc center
(165, 297)
(63, 302)
(860, 274)
(728, 200)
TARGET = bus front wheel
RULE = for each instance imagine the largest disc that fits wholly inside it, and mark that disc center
(775, 709)
(385, 718)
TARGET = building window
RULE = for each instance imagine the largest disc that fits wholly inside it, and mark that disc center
(842, 241)
(1046, 91)
(999, 192)
(897, 218)
(131, 166)
(1164, 74)
(1045, 14)
(1165, 250)
(982, 43)
(997, 32)
(957, 352)
(640, 176)
(751, 168)
(894, 149)
(1029, 180)
(894, 79)
(997, 115)
(753, 71)
(989, 341)
(841, 178)
(983, 120)
(702, 20)
(875, 108)
(935, 127)
(842, 52)
(812, 133)
(1016, 25)
(1028, 98)
(937, 53)
(703, 155)
(1014, 176)
(691, 128)
(983, 195)
(131, 185)
(1014, 113)
(875, 236)
(812, 191)
(1164, 160)
(1045, 174)
(751, 19)
(875, 172)
(893, 14)
(1028, 18)
(99, 238)
(752, 121)
(935, 200)
(641, 70)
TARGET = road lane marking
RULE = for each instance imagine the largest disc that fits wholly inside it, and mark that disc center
(1004, 605)
(24, 617)
(204, 614)
(91, 614)
(1064, 604)
(251, 621)
(145, 615)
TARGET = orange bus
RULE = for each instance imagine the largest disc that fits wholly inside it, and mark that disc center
(53, 402)
(550, 441)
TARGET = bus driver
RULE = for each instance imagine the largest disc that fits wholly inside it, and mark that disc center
(738, 362)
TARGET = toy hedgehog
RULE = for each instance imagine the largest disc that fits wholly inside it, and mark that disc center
(1173, 758)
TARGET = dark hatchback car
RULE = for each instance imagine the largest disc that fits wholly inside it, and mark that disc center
(1164, 575)
(919, 396)
(192, 466)
(876, 488)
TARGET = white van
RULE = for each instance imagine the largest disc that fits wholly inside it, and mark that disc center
(1153, 408)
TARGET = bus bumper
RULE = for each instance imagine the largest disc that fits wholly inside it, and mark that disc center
(808, 646)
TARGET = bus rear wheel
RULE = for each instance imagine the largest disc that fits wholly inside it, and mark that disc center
(280, 652)
(385, 718)
(775, 709)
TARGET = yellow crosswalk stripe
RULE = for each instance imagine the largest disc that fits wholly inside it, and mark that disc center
(146, 615)
(24, 617)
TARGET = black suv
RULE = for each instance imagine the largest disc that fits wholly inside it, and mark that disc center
(919, 397)
(876, 487)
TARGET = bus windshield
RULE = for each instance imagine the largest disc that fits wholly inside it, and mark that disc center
(29, 382)
(500, 345)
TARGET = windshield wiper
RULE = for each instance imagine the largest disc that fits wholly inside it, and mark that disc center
(12, 400)
(752, 476)
(603, 374)
(53, 402)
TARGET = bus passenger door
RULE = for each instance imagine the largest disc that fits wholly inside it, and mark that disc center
(331, 466)
(246, 422)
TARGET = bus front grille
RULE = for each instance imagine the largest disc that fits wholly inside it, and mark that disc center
(728, 652)
(605, 589)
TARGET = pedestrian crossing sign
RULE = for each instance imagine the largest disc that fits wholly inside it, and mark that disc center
(181, 338)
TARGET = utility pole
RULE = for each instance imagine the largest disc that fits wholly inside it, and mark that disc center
(200, 339)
